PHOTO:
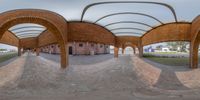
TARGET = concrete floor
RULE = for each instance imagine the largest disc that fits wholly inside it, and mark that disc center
(100, 77)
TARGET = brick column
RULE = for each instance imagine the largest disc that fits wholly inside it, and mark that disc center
(19, 48)
(37, 51)
(87, 48)
(19, 51)
(140, 51)
(134, 50)
(97, 48)
(140, 47)
(74, 48)
(194, 54)
(116, 49)
(123, 48)
(37, 48)
(64, 55)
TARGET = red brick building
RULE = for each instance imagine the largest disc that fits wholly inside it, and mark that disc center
(78, 48)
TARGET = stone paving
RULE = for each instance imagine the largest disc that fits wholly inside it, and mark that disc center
(79, 59)
(39, 78)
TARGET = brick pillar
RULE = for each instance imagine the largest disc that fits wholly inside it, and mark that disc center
(106, 49)
(97, 48)
(74, 48)
(134, 50)
(87, 48)
(194, 54)
(64, 55)
(116, 49)
(23, 51)
(19, 48)
(19, 51)
(140, 47)
(37, 51)
(140, 51)
(123, 50)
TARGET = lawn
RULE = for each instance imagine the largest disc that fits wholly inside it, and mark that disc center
(171, 61)
(7, 56)
(162, 53)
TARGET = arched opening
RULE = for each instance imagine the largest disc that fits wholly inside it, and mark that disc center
(129, 50)
(175, 53)
(52, 21)
(8, 53)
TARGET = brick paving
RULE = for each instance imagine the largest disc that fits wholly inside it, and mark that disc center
(106, 79)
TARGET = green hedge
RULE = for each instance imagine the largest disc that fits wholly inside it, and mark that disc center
(7, 57)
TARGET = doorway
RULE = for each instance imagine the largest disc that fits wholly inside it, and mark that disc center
(70, 50)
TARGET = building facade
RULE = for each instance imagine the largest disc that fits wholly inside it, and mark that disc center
(78, 48)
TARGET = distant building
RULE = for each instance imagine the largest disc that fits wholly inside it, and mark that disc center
(162, 49)
(3, 50)
(149, 49)
(165, 49)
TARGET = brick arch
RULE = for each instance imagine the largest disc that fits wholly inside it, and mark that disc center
(195, 41)
(52, 21)
(133, 46)
(179, 31)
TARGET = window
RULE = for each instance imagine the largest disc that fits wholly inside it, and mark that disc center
(80, 45)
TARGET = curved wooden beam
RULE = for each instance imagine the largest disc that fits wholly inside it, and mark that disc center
(29, 31)
(128, 33)
(117, 2)
(27, 27)
(128, 28)
(132, 13)
(129, 22)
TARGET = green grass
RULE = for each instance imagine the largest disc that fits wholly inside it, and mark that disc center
(170, 61)
(7, 57)
(162, 53)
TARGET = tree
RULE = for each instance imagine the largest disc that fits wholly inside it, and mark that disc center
(3, 49)
(159, 47)
(178, 46)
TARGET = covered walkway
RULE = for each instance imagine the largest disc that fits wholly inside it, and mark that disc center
(90, 27)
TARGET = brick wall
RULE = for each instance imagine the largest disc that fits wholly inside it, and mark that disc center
(78, 48)
(10, 39)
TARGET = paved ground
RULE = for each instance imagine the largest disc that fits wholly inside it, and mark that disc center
(79, 60)
(106, 79)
